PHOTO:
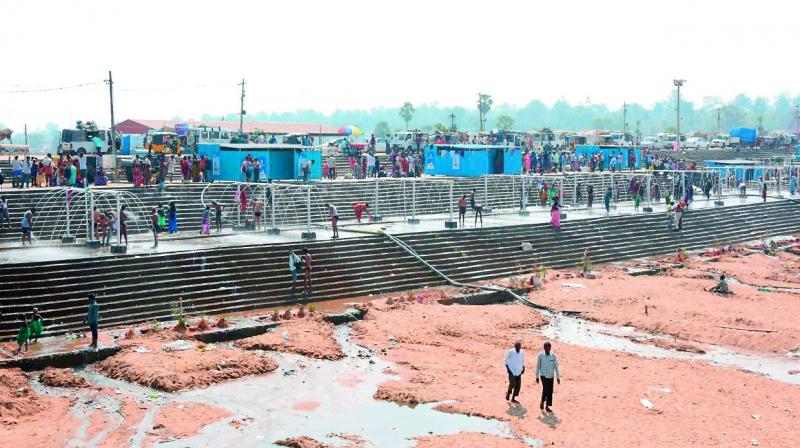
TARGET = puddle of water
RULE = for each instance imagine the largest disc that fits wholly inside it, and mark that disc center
(575, 331)
(303, 397)
(320, 398)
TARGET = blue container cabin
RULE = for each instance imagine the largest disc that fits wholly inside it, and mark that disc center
(472, 160)
(610, 150)
(278, 162)
(741, 169)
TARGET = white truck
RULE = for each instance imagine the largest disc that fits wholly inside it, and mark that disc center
(86, 139)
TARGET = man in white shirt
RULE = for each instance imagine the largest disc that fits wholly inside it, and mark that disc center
(82, 166)
(515, 366)
(546, 369)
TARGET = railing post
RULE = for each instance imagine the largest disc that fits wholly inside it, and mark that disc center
(119, 248)
(274, 230)
(450, 224)
(308, 234)
(413, 219)
(90, 241)
(68, 238)
(486, 207)
(377, 216)
(523, 209)
(649, 207)
(238, 206)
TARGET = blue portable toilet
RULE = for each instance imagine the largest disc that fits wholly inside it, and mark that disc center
(278, 162)
(472, 160)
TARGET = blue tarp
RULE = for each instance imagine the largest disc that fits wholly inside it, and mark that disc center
(746, 135)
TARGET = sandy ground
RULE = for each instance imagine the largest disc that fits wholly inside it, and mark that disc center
(456, 353)
(308, 336)
(471, 439)
(30, 419)
(677, 302)
(177, 370)
(453, 354)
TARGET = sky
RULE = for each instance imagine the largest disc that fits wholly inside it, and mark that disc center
(185, 58)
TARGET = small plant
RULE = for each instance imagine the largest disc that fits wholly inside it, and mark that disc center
(153, 326)
(462, 253)
(179, 314)
(301, 311)
(287, 314)
(312, 308)
(276, 316)
(222, 322)
(586, 262)
(541, 271)
(681, 255)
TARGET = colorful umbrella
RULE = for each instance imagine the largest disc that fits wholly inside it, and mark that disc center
(349, 130)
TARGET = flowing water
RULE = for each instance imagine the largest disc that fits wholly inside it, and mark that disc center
(315, 398)
(584, 333)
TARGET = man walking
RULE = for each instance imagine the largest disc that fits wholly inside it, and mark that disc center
(93, 318)
(307, 271)
(546, 368)
(515, 366)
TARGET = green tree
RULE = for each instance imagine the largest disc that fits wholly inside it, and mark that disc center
(505, 122)
(382, 129)
(440, 128)
(485, 103)
(407, 112)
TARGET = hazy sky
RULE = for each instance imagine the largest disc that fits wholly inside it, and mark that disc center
(186, 57)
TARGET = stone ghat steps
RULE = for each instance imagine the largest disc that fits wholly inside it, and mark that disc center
(133, 289)
(480, 254)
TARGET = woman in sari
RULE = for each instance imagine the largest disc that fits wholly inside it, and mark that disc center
(37, 325)
(172, 218)
(555, 215)
(137, 175)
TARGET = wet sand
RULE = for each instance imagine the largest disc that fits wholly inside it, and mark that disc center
(415, 351)
(677, 302)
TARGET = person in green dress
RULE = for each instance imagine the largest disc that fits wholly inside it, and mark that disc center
(37, 325)
(23, 334)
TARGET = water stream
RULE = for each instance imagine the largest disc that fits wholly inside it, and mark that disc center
(584, 333)
(315, 398)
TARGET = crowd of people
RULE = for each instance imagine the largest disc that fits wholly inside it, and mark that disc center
(63, 171)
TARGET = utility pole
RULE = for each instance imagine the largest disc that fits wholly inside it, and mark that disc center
(26, 134)
(241, 110)
(110, 82)
(452, 122)
(480, 111)
(719, 120)
(797, 118)
(678, 83)
(624, 121)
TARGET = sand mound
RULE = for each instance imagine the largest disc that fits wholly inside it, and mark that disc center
(180, 420)
(142, 360)
(300, 442)
(469, 439)
(61, 378)
(16, 397)
(312, 338)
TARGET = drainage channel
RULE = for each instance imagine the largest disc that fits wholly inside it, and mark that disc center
(580, 332)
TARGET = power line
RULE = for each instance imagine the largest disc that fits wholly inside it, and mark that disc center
(52, 89)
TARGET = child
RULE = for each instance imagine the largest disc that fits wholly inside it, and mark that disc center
(23, 335)
(207, 221)
(37, 326)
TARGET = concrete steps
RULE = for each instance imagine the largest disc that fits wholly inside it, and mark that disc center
(476, 254)
(135, 288)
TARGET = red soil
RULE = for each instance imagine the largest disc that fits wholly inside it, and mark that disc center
(300, 442)
(456, 353)
(180, 420)
(678, 304)
(469, 439)
(178, 370)
(310, 337)
(30, 419)
(61, 378)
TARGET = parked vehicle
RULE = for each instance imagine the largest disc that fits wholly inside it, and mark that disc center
(85, 138)
(652, 142)
(696, 143)
(719, 143)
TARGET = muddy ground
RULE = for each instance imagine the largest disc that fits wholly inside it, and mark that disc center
(419, 352)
